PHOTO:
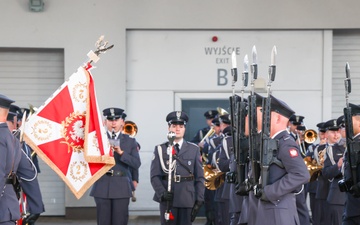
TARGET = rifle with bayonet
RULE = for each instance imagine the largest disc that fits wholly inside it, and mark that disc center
(268, 145)
(353, 147)
(242, 148)
(254, 147)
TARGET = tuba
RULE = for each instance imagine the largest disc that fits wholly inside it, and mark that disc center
(130, 128)
(213, 178)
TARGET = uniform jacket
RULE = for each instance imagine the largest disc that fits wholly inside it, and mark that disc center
(282, 183)
(185, 192)
(333, 174)
(119, 186)
(200, 135)
(30, 185)
(352, 205)
(10, 158)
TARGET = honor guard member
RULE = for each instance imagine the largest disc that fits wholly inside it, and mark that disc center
(209, 116)
(332, 171)
(341, 123)
(351, 214)
(112, 192)
(187, 186)
(315, 205)
(277, 200)
(228, 165)
(10, 153)
(249, 208)
(27, 174)
(301, 205)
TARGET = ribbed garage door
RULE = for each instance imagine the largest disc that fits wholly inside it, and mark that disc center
(346, 48)
(30, 76)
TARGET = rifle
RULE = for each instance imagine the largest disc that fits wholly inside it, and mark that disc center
(241, 150)
(352, 149)
(268, 145)
(253, 136)
(233, 103)
(171, 137)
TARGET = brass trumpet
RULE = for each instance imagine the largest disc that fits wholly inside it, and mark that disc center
(130, 128)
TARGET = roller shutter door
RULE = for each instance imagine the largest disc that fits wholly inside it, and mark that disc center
(31, 76)
(346, 48)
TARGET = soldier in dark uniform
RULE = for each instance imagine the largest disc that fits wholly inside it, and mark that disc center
(27, 174)
(209, 116)
(221, 197)
(209, 195)
(332, 171)
(315, 204)
(112, 192)
(351, 214)
(297, 129)
(187, 186)
(10, 153)
(277, 205)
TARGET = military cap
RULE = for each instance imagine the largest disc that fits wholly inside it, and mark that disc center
(332, 125)
(280, 107)
(225, 119)
(16, 109)
(177, 117)
(321, 127)
(5, 102)
(259, 99)
(10, 116)
(113, 113)
(355, 109)
(211, 114)
(216, 122)
(341, 121)
(123, 116)
(296, 119)
(23, 110)
(300, 127)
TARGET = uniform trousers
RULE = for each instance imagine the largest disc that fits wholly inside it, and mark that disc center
(351, 220)
(8, 223)
(336, 212)
(316, 211)
(302, 208)
(253, 206)
(235, 218)
(182, 216)
(112, 211)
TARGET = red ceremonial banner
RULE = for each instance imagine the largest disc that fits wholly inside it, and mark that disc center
(67, 133)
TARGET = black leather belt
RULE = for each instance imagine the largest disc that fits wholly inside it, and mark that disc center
(9, 181)
(178, 178)
(117, 173)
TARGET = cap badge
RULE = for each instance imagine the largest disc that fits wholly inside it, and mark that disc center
(335, 125)
(112, 112)
(297, 118)
(178, 114)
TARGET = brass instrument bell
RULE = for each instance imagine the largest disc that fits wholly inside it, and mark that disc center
(130, 128)
(310, 136)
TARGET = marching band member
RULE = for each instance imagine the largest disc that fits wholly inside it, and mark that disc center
(112, 192)
(332, 171)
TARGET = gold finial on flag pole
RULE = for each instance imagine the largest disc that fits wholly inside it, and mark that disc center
(101, 47)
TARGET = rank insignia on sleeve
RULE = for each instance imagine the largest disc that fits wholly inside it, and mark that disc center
(293, 153)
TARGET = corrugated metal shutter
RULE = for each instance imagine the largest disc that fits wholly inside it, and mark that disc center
(346, 48)
(31, 76)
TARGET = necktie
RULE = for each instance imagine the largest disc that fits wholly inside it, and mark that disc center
(177, 147)
(113, 135)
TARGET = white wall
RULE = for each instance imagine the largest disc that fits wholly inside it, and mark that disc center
(75, 26)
